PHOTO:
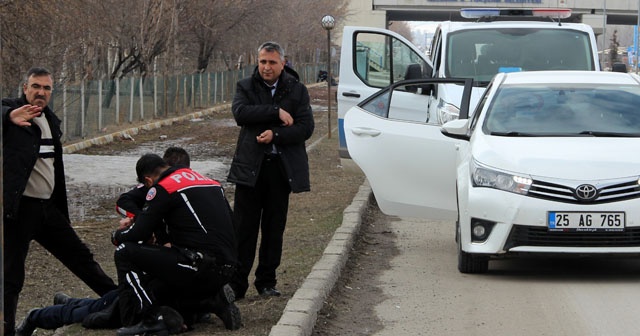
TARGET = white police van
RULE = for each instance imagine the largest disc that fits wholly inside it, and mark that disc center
(374, 58)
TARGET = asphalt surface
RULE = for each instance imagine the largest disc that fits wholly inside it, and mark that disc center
(424, 294)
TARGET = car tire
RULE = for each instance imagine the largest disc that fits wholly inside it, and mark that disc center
(470, 262)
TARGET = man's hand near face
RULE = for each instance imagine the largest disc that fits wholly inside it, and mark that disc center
(22, 116)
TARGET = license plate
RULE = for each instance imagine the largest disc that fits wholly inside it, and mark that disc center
(586, 221)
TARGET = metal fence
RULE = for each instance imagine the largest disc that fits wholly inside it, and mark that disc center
(97, 107)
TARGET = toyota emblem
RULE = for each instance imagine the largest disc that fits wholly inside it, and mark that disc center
(586, 192)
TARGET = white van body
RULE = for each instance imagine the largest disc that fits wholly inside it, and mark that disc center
(374, 58)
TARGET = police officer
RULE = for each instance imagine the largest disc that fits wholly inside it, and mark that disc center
(130, 203)
(202, 256)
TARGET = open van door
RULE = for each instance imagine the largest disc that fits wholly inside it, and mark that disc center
(371, 59)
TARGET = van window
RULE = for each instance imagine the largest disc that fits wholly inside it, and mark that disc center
(381, 60)
(481, 53)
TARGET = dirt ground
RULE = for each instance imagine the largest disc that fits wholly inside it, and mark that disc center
(313, 218)
(348, 311)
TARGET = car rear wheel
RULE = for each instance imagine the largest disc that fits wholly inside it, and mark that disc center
(470, 262)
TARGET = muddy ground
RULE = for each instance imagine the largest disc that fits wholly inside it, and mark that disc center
(313, 217)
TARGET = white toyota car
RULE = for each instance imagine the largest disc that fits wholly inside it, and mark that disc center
(547, 164)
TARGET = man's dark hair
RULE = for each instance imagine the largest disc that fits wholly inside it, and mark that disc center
(271, 47)
(148, 164)
(37, 72)
(176, 157)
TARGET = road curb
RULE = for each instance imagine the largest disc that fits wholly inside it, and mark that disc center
(301, 312)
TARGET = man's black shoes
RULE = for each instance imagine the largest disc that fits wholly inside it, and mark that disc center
(163, 322)
(230, 316)
(27, 326)
(60, 298)
(226, 310)
(146, 328)
(269, 291)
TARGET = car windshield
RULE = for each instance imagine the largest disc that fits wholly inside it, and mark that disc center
(481, 53)
(564, 110)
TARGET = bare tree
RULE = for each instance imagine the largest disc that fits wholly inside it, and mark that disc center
(208, 24)
(35, 33)
(402, 28)
(90, 39)
(302, 34)
(613, 49)
(139, 32)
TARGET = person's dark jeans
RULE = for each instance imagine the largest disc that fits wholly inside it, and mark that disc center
(73, 311)
(41, 221)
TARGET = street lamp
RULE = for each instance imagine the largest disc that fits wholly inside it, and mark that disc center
(328, 22)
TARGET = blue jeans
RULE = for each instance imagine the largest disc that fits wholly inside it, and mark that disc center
(74, 311)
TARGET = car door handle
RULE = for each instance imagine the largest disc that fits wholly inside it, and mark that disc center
(365, 131)
(351, 94)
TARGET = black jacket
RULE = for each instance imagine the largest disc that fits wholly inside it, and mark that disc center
(194, 210)
(256, 111)
(21, 146)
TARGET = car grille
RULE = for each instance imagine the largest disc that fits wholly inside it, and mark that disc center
(522, 235)
(608, 191)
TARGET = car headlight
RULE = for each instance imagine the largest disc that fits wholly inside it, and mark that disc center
(447, 112)
(484, 177)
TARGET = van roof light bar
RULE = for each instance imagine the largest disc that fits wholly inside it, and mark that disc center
(477, 13)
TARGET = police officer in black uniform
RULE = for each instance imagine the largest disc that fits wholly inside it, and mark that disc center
(130, 203)
(202, 256)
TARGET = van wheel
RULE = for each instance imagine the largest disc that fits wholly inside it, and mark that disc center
(471, 262)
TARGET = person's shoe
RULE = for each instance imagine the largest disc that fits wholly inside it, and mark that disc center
(226, 310)
(172, 319)
(269, 291)
(157, 328)
(60, 298)
(27, 326)
(108, 318)
(163, 321)
(230, 316)
(226, 294)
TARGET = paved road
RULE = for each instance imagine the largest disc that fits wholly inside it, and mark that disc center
(428, 296)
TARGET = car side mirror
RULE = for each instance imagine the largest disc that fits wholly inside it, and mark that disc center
(457, 129)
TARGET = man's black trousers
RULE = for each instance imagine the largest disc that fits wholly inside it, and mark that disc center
(261, 209)
(150, 276)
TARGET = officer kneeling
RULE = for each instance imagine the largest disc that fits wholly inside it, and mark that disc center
(195, 264)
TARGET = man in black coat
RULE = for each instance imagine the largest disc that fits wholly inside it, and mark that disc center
(35, 196)
(272, 107)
